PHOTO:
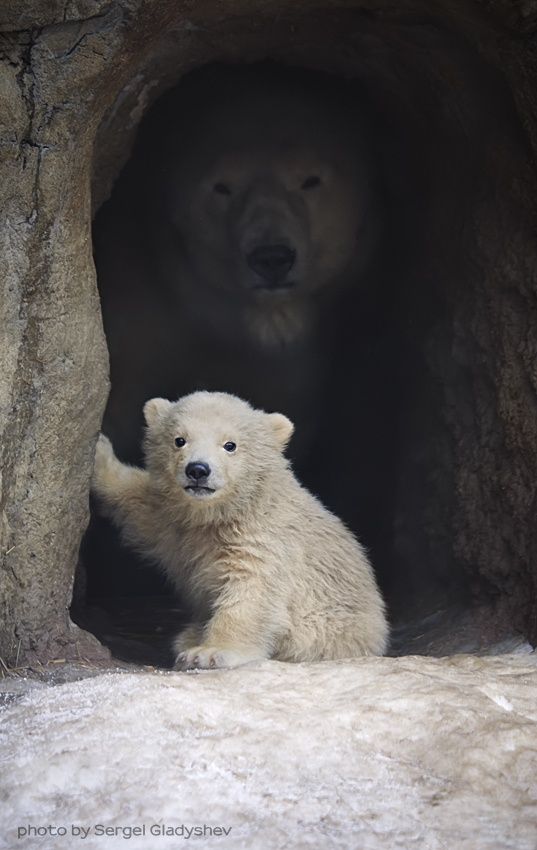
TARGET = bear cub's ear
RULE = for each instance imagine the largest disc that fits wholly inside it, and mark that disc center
(282, 427)
(154, 409)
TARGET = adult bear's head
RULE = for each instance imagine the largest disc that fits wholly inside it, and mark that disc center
(265, 185)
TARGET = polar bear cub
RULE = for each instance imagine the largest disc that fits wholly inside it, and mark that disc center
(266, 569)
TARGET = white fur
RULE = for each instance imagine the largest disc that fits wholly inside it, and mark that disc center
(269, 572)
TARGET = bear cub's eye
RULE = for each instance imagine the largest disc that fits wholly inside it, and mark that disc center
(221, 189)
(311, 182)
(230, 447)
(180, 442)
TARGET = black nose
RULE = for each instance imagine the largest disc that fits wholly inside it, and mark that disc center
(271, 262)
(197, 470)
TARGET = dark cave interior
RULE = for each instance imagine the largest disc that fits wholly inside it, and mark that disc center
(406, 377)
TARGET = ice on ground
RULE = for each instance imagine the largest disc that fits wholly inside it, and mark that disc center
(375, 754)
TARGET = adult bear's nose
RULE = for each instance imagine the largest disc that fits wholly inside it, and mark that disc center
(197, 469)
(271, 263)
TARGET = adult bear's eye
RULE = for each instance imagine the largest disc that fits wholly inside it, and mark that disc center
(230, 447)
(180, 442)
(311, 182)
(221, 189)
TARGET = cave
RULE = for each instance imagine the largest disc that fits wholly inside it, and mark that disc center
(435, 351)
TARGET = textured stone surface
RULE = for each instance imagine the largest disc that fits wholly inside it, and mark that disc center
(53, 356)
(66, 66)
(400, 753)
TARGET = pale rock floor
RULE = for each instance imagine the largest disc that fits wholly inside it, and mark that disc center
(373, 754)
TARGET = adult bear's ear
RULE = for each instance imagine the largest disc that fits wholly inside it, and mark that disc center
(154, 409)
(282, 428)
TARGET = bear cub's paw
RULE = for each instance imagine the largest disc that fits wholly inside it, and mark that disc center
(104, 456)
(212, 658)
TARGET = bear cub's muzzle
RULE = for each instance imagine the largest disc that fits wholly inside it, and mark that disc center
(198, 473)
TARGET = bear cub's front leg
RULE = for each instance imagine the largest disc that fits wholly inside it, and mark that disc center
(231, 638)
(205, 657)
(125, 495)
(113, 481)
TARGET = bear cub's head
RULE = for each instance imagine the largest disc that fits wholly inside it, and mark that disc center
(210, 446)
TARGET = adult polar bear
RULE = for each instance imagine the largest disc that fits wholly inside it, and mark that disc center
(247, 209)
(267, 189)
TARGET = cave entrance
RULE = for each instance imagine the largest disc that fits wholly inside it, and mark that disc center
(405, 440)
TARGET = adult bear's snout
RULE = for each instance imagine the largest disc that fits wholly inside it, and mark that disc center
(272, 263)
